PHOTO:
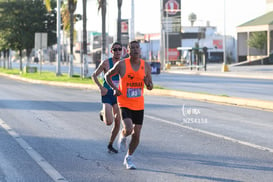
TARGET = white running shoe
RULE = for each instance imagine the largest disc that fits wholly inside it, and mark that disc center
(128, 162)
(122, 142)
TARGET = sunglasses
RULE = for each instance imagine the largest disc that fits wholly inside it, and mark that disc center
(117, 49)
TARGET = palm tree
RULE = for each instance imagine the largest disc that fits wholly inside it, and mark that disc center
(102, 6)
(192, 18)
(48, 7)
(72, 4)
(68, 22)
(84, 42)
(119, 21)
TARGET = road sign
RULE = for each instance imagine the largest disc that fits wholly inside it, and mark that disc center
(172, 7)
(171, 16)
(124, 26)
(40, 40)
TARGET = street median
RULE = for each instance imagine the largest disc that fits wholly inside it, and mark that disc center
(243, 102)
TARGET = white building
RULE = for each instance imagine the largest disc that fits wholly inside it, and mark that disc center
(204, 36)
(207, 36)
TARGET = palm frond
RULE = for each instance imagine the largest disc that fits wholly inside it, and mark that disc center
(47, 4)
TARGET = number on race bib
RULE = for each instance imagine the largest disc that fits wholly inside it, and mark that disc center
(133, 92)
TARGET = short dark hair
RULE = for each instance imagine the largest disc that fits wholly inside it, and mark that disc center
(132, 42)
(116, 43)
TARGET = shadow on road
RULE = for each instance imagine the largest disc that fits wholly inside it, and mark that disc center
(48, 105)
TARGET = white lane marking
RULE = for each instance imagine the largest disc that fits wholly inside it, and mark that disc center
(50, 170)
(213, 134)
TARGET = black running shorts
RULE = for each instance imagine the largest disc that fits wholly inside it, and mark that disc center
(136, 116)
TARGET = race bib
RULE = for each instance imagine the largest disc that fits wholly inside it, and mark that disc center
(133, 92)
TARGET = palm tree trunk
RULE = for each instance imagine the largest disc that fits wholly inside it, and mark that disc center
(103, 36)
(84, 27)
(119, 21)
(5, 55)
(85, 72)
(71, 14)
(21, 62)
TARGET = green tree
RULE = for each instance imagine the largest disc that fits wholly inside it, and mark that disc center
(258, 40)
(22, 19)
(68, 20)
(3, 47)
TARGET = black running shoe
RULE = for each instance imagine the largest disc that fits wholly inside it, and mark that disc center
(101, 116)
(111, 149)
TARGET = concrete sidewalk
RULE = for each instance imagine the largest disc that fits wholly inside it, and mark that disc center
(250, 71)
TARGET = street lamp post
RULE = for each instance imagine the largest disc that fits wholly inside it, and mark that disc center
(58, 66)
(225, 66)
(132, 25)
(167, 36)
(162, 36)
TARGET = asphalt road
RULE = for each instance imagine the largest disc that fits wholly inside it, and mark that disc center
(52, 133)
(260, 89)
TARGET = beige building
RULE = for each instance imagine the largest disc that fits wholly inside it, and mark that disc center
(262, 23)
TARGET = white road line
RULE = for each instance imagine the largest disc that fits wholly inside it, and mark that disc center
(50, 170)
(212, 134)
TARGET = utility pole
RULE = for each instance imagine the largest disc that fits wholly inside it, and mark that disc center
(58, 65)
(167, 29)
(225, 66)
(132, 27)
(162, 36)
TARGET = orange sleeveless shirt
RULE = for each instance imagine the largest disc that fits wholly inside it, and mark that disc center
(131, 86)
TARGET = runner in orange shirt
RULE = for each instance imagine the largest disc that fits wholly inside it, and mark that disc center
(134, 74)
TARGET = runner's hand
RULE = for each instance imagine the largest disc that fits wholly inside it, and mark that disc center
(148, 83)
(103, 91)
(117, 92)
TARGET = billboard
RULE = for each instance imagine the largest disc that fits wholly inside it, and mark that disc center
(172, 16)
(124, 32)
(218, 44)
(124, 26)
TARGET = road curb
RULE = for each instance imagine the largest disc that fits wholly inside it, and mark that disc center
(251, 103)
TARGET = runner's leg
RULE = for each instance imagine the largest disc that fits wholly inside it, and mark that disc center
(135, 139)
(125, 131)
(108, 114)
(127, 127)
(116, 126)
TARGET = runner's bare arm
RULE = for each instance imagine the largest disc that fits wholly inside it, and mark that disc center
(148, 77)
(98, 71)
(108, 77)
